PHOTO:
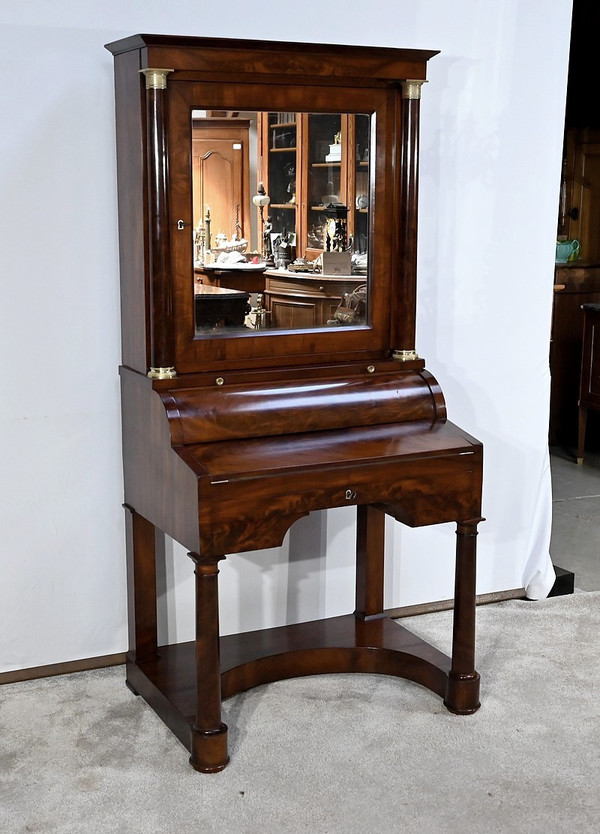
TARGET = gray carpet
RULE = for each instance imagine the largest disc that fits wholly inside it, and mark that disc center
(349, 753)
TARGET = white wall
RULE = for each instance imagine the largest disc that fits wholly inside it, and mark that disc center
(491, 141)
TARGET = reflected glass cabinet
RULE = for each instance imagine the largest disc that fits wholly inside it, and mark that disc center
(312, 160)
(268, 233)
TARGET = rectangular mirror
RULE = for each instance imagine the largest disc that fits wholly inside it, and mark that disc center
(281, 221)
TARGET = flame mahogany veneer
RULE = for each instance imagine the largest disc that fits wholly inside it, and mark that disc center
(248, 434)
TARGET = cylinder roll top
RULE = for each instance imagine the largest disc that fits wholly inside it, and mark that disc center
(202, 415)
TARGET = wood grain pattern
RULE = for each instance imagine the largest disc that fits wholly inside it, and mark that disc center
(278, 59)
(134, 251)
(228, 412)
(405, 298)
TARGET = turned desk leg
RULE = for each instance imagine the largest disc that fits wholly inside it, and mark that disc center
(209, 734)
(141, 585)
(370, 540)
(462, 693)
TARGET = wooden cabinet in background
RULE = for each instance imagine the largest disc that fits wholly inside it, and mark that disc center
(576, 284)
(580, 209)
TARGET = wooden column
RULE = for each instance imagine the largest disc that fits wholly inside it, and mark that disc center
(370, 539)
(404, 321)
(209, 734)
(141, 586)
(161, 301)
(462, 694)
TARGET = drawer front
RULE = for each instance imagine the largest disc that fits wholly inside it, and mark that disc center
(256, 513)
(316, 288)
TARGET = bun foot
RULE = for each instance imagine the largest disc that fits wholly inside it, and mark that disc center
(209, 749)
(462, 694)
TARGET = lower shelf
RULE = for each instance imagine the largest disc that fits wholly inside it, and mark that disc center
(339, 644)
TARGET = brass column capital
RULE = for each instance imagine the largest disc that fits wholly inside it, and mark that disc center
(411, 88)
(156, 79)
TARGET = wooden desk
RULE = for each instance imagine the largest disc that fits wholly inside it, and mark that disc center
(219, 307)
(197, 469)
(245, 278)
(230, 437)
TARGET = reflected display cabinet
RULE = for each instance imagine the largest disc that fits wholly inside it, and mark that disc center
(310, 160)
(235, 426)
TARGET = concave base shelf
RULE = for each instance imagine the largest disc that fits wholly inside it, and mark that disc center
(339, 644)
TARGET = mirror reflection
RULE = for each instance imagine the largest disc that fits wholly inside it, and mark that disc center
(281, 205)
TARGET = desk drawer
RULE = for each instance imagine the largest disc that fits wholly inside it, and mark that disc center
(256, 513)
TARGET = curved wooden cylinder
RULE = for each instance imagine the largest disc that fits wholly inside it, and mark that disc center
(200, 415)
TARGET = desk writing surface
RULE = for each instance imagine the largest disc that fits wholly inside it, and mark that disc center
(255, 457)
(204, 291)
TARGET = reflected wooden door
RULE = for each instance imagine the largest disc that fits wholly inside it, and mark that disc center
(220, 173)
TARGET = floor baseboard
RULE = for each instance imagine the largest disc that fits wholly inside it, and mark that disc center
(67, 668)
(85, 665)
(448, 604)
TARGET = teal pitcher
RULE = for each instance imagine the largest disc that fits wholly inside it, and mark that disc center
(566, 250)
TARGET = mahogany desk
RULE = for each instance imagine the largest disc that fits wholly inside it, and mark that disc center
(231, 436)
(233, 491)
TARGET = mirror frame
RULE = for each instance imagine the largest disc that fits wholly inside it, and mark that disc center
(277, 347)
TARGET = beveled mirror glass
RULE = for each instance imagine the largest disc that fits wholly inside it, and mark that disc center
(282, 207)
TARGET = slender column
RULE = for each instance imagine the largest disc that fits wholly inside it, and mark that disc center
(370, 540)
(141, 587)
(161, 301)
(209, 734)
(462, 694)
(404, 335)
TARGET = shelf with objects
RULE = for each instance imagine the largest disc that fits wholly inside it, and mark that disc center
(315, 167)
(234, 426)
(279, 162)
